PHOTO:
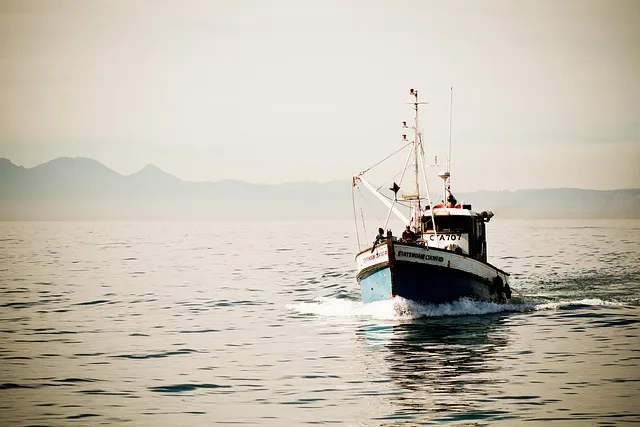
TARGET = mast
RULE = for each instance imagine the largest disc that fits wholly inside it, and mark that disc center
(416, 142)
(414, 197)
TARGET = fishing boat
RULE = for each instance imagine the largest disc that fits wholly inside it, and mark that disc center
(441, 256)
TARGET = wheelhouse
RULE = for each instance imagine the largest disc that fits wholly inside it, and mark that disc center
(459, 230)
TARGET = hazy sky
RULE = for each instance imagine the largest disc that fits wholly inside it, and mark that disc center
(546, 93)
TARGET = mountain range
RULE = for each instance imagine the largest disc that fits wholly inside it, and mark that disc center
(84, 189)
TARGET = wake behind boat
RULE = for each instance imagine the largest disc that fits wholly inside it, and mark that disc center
(442, 254)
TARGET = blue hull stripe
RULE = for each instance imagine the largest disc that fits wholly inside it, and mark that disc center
(376, 285)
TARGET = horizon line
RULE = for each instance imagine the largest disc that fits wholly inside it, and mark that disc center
(346, 180)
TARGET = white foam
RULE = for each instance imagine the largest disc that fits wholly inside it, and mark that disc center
(333, 307)
(407, 309)
(401, 309)
(595, 302)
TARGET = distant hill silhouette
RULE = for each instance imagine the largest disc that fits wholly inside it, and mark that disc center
(85, 189)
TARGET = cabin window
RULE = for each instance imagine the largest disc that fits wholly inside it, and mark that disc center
(427, 223)
(447, 224)
(479, 233)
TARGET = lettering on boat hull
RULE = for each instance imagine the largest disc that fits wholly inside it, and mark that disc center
(368, 258)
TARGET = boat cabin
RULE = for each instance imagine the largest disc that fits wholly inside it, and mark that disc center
(457, 229)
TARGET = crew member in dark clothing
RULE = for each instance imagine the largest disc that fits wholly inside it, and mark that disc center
(380, 237)
(409, 235)
(451, 201)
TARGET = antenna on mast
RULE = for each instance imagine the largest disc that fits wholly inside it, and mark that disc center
(446, 176)
(450, 119)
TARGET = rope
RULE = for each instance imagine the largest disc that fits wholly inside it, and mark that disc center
(364, 225)
(426, 185)
(355, 216)
(387, 158)
(517, 292)
(364, 201)
(393, 179)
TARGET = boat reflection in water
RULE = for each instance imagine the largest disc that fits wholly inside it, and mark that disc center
(445, 368)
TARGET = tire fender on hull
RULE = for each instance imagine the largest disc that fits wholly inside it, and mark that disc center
(501, 288)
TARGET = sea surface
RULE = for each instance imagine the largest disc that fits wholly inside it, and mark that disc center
(216, 323)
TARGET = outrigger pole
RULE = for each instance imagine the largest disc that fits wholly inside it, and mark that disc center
(386, 202)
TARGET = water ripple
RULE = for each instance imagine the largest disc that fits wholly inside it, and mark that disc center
(161, 323)
(179, 388)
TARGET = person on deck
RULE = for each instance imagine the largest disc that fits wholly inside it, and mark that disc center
(409, 235)
(380, 237)
(451, 201)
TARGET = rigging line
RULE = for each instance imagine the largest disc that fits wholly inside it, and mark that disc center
(386, 222)
(391, 199)
(355, 216)
(386, 158)
(395, 198)
(390, 181)
(364, 200)
(364, 226)
(518, 292)
(393, 179)
(397, 201)
(406, 165)
(426, 184)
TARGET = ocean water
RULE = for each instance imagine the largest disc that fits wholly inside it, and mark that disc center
(212, 323)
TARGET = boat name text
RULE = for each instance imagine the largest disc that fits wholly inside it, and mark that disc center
(374, 256)
(425, 257)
